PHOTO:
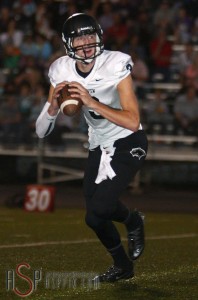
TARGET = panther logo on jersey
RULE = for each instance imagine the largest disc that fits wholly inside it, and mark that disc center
(129, 67)
(138, 152)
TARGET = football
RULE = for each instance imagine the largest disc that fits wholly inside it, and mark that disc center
(68, 105)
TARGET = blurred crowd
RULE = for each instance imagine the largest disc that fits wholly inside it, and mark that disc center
(161, 37)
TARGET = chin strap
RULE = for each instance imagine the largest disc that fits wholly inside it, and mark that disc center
(86, 61)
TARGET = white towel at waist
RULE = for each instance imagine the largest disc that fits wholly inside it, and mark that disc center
(105, 170)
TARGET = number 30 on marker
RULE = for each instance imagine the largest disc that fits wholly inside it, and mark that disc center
(39, 198)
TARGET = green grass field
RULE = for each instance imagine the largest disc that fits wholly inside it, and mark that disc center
(61, 243)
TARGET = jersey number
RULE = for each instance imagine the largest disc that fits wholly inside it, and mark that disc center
(93, 114)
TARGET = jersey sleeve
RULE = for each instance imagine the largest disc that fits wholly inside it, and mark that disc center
(51, 74)
(56, 71)
(123, 67)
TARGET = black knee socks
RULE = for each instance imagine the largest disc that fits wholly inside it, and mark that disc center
(120, 257)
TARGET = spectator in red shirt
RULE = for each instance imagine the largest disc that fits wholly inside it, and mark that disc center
(161, 53)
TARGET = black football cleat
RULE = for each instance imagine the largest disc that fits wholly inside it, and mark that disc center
(136, 239)
(114, 274)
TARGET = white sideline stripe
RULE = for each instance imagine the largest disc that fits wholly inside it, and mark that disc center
(161, 237)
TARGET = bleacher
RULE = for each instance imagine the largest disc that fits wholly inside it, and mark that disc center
(162, 147)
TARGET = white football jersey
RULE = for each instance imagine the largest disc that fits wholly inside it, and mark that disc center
(109, 69)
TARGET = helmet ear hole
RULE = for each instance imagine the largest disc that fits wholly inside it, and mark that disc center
(77, 25)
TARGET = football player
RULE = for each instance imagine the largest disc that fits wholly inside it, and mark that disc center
(117, 141)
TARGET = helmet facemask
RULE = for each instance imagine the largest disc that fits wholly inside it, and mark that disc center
(88, 26)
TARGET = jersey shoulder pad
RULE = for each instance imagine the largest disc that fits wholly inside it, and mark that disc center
(121, 64)
(56, 69)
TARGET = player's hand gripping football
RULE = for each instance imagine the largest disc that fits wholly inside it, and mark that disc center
(78, 91)
(56, 93)
(53, 95)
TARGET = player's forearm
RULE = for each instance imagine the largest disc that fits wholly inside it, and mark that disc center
(123, 118)
(52, 111)
(45, 122)
(53, 108)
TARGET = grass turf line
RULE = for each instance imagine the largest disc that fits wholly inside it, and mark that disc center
(167, 270)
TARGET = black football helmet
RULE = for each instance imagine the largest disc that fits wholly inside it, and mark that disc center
(77, 25)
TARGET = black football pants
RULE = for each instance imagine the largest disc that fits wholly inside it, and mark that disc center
(102, 200)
